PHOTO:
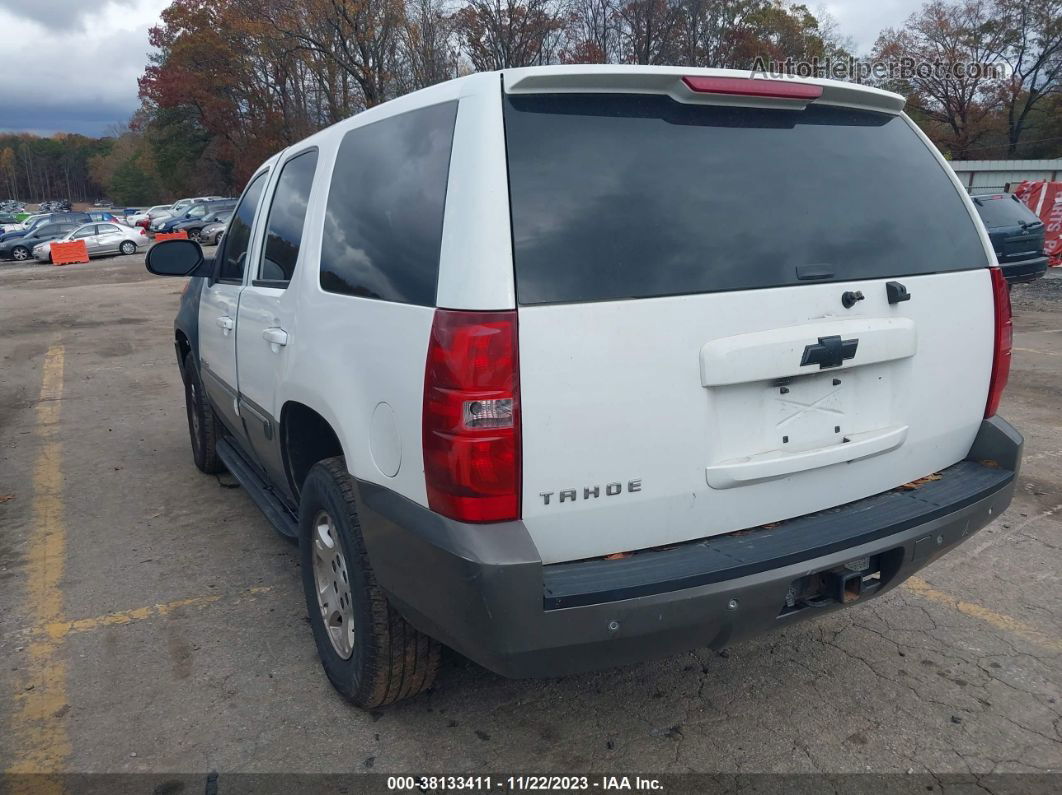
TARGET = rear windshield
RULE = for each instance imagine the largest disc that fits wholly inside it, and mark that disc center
(626, 196)
(1003, 210)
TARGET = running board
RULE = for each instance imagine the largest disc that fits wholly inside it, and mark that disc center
(257, 489)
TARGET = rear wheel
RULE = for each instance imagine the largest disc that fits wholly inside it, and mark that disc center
(202, 424)
(20, 253)
(371, 655)
(127, 247)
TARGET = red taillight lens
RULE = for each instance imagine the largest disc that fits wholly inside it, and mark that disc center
(471, 431)
(1004, 342)
(753, 87)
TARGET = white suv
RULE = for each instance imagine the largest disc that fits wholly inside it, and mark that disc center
(569, 367)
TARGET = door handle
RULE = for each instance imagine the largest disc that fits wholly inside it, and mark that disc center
(226, 323)
(276, 337)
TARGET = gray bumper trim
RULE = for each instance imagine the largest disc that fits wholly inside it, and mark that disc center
(479, 589)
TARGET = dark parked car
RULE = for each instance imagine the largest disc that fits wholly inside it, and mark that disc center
(195, 226)
(53, 218)
(1017, 236)
(196, 213)
(21, 248)
(210, 234)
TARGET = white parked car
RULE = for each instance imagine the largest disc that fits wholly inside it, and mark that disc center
(100, 239)
(612, 363)
(146, 215)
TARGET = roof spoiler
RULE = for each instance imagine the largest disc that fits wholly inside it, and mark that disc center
(717, 86)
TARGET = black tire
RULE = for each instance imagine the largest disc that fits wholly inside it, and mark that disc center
(217, 238)
(128, 247)
(193, 234)
(20, 253)
(203, 427)
(390, 660)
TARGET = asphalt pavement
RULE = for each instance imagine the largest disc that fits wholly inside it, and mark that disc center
(151, 621)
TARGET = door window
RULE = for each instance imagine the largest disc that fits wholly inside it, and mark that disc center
(85, 231)
(287, 215)
(238, 238)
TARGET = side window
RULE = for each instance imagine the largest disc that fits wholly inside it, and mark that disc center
(106, 229)
(85, 231)
(238, 238)
(383, 223)
(286, 217)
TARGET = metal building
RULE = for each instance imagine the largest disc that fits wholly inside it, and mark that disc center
(993, 176)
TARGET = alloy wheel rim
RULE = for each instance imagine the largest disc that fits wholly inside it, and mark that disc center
(20, 253)
(332, 585)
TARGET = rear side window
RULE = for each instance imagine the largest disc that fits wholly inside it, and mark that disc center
(1003, 210)
(286, 217)
(238, 238)
(383, 224)
(624, 196)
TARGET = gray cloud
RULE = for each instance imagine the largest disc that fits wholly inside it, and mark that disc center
(58, 14)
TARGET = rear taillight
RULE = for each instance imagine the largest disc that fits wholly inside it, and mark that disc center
(471, 431)
(753, 87)
(1004, 341)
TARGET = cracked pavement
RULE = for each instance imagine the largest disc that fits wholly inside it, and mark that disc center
(960, 673)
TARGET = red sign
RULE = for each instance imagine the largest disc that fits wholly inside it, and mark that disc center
(1045, 199)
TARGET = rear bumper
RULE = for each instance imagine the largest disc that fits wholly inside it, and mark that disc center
(484, 591)
(1028, 270)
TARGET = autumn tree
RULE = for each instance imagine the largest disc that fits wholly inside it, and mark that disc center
(960, 102)
(500, 34)
(1031, 47)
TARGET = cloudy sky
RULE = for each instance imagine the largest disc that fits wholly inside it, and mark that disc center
(72, 65)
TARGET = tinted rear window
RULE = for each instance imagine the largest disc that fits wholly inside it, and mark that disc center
(383, 224)
(1003, 211)
(624, 196)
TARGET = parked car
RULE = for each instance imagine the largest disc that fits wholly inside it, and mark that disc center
(143, 218)
(107, 217)
(212, 233)
(179, 208)
(100, 240)
(1017, 236)
(9, 222)
(599, 412)
(193, 212)
(41, 219)
(195, 220)
(20, 248)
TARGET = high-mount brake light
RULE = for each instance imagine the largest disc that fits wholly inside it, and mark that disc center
(471, 419)
(753, 87)
(1003, 343)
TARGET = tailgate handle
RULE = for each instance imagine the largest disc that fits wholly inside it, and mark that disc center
(829, 352)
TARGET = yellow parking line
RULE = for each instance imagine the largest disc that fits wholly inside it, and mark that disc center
(920, 587)
(60, 629)
(41, 744)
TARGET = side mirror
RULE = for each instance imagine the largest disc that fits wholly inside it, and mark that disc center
(176, 258)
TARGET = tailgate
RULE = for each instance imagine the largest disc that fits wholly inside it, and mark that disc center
(650, 422)
(707, 341)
